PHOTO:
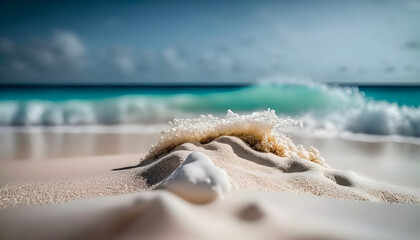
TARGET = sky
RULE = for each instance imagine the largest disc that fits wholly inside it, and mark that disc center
(209, 41)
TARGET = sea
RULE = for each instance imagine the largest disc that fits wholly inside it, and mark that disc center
(373, 110)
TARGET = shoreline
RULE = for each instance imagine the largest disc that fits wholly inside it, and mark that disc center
(157, 128)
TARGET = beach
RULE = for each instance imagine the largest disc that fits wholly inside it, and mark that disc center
(286, 120)
(337, 175)
(78, 172)
(274, 195)
(248, 215)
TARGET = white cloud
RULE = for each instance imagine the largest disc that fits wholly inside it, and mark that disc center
(168, 63)
(215, 61)
(62, 56)
(68, 45)
(120, 58)
(173, 59)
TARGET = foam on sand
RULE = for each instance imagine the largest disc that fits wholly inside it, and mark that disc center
(198, 160)
(253, 150)
(197, 180)
(263, 131)
(257, 155)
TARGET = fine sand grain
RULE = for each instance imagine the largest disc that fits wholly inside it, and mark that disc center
(33, 183)
(65, 180)
(272, 197)
(241, 215)
(251, 170)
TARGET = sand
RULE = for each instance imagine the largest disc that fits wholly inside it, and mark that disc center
(33, 183)
(197, 180)
(241, 215)
(49, 144)
(24, 184)
(251, 170)
(389, 162)
(272, 197)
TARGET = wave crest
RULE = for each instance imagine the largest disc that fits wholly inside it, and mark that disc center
(321, 107)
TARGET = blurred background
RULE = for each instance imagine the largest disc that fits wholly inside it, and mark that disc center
(209, 41)
(88, 78)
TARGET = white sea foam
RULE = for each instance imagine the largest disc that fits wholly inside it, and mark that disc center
(263, 131)
(122, 110)
(320, 107)
(376, 118)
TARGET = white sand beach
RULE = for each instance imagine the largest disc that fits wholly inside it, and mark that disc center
(250, 120)
(282, 191)
(271, 197)
(242, 214)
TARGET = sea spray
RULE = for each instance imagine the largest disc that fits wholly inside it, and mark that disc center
(263, 131)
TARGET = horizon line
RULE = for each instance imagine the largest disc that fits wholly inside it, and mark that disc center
(195, 84)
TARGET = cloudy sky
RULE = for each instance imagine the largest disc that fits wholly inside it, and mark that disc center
(206, 41)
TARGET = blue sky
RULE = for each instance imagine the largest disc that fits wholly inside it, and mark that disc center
(203, 41)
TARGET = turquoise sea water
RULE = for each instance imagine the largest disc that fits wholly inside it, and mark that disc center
(57, 93)
(372, 110)
(402, 95)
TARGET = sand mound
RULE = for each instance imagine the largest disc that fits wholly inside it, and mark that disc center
(253, 170)
(262, 131)
(197, 180)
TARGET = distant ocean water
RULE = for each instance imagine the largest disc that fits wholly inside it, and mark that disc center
(370, 110)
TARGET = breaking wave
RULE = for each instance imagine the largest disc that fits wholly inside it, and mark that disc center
(319, 106)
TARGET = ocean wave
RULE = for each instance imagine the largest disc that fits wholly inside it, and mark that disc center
(319, 106)
(370, 117)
